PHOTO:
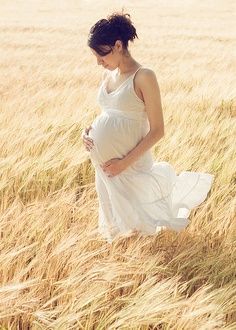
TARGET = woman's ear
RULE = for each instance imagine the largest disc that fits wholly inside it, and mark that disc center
(120, 45)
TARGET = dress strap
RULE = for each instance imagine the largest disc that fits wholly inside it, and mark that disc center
(138, 69)
(133, 75)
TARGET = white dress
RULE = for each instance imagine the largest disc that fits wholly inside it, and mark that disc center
(148, 195)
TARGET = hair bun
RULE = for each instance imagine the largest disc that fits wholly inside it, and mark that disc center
(123, 23)
(118, 18)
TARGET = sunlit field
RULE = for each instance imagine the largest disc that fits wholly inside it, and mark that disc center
(56, 271)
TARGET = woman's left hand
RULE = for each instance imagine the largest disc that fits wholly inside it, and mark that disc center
(113, 166)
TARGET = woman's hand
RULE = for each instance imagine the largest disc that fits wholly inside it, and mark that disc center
(87, 141)
(113, 166)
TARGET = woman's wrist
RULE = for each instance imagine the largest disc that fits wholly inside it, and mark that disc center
(125, 162)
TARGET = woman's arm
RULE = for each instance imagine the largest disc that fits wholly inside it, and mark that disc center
(149, 87)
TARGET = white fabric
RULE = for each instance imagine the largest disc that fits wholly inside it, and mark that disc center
(148, 195)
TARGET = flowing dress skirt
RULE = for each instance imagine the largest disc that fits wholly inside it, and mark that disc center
(148, 195)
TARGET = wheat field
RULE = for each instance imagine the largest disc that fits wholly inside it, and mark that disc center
(56, 272)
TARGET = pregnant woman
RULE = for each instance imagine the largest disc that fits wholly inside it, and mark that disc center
(135, 193)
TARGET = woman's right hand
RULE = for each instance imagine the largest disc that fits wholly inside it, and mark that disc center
(87, 141)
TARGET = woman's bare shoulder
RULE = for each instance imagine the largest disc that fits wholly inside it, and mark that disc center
(147, 71)
(146, 75)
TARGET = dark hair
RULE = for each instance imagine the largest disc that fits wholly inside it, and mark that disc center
(107, 31)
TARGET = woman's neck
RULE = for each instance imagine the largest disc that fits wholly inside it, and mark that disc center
(126, 68)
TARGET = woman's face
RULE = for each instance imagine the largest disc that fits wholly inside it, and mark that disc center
(109, 61)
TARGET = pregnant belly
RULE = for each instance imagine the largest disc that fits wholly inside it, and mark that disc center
(113, 137)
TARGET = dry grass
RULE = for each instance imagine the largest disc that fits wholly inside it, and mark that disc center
(55, 271)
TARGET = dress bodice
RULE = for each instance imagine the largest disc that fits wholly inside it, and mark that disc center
(123, 98)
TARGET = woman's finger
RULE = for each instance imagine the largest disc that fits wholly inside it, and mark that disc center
(87, 129)
(88, 139)
(88, 143)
